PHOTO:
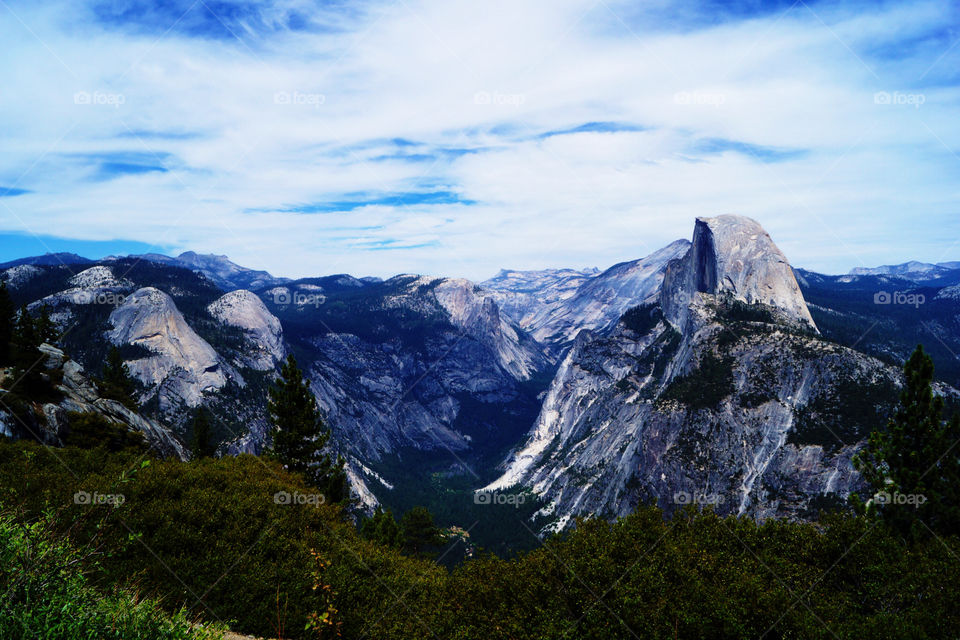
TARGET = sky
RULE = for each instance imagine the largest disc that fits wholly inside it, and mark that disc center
(459, 137)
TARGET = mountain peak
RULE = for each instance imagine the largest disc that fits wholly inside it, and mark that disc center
(733, 255)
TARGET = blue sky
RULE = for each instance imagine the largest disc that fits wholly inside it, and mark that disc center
(458, 137)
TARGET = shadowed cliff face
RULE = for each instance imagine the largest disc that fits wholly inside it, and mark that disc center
(725, 394)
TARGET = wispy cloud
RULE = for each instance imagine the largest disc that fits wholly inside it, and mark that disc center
(466, 137)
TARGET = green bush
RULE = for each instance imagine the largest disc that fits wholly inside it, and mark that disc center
(46, 594)
(209, 538)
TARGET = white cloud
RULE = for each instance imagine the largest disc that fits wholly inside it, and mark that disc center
(292, 118)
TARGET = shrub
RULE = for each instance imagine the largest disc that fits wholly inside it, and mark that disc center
(46, 593)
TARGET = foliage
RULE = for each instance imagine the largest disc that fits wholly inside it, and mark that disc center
(214, 525)
(843, 413)
(916, 459)
(299, 435)
(46, 593)
(382, 528)
(418, 531)
(704, 387)
(201, 439)
(7, 315)
(116, 383)
(641, 319)
(88, 430)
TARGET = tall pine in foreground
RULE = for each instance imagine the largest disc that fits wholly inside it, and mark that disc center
(915, 463)
(201, 438)
(8, 313)
(116, 382)
(299, 434)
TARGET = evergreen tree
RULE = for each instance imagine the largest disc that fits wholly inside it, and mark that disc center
(299, 435)
(419, 532)
(201, 440)
(25, 338)
(116, 383)
(914, 465)
(45, 328)
(7, 318)
(382, 528)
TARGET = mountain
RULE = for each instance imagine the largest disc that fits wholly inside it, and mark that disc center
(569, 304)
(887, 316)
(913, 271)
(710, 369)
(47, 259)
(719, 390)
(407, 367)
(411, 368)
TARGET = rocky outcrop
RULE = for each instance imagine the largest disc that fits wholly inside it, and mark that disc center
(480, 317)
(733, 256)
(184, 366)
(80, 394)
(244, 310)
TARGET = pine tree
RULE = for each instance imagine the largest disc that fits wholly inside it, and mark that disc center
(25, 338)
(116, 383)
(914, 465)
(7, 317)
(419, 532)
(44, 327)
(201, 440)
(382, 528)
(299, 435)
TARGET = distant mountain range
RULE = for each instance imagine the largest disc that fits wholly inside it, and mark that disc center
(709, 369)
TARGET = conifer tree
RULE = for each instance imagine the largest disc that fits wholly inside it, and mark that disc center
(116, 382)
(201, 440)
(914, 465)
(419, 532)
(382, 528)
(7, 318)
(299, 435)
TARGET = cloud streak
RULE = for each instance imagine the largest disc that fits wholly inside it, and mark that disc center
(458, 138)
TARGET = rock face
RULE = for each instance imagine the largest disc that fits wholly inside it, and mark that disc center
(244, 310)
(733, 256)
(480, 317)
(184, 366)
(595, 305)
(81, 395)
(719, 391)
(526, 296)
(400, 379)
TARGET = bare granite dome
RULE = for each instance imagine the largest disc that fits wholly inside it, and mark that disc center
(733, 255)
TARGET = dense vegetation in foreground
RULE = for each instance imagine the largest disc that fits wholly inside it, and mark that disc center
(208, 537)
